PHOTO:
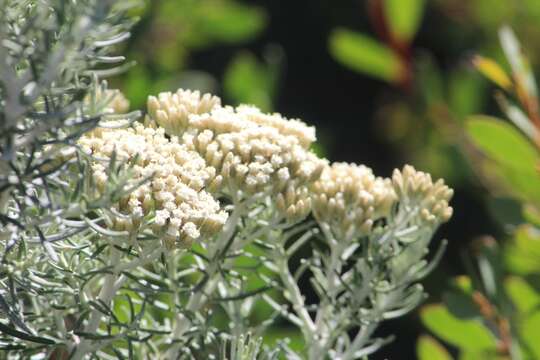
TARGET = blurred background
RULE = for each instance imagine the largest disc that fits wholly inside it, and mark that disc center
(385, 83)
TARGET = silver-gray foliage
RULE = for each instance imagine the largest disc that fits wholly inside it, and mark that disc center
(52, 55)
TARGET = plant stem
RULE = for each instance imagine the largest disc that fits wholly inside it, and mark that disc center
(364, 334)
(105, 296)
(113, 282)
(296, 297)
(199, 299)
(294, 294)
(324, 315)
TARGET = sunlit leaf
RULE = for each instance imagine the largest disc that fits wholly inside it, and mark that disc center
(404, 17)
(481, 355)
(528, 238)
(529, 333)
(520, 263)
(532, 214)
(493, 71)
(523, 296)
(466, 334)
(521, 183)
(427, 348)
(522, 256)
(365, 55)
(502, 142)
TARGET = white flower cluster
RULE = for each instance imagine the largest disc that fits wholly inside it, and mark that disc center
(416, 187)
(176, 195)
(349, 198)
(252, 153)
(116, 101)
(293, 127)
(119, 104)
(198, 149)
(171, 111)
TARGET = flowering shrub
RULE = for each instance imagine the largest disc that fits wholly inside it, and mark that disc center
(164, 237)
(196, 194)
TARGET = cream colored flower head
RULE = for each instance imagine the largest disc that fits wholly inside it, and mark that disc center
(289, 127)
(175, 197)
(119, 103)
(258, 156)
(415, 188)
(252, 152)
(116, 102)
(348, 199)
(172, 110)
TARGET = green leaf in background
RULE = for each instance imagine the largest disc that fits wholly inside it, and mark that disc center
(528, 238)
(502, 142)
(465, 334)
(490, 267)
(319, 149)
(513, 160)
(365, 55)
(523, 296)
(404, 18)
(522, 256)
(229, 21)
(250, 81)
(461, 305)
(197, 24)
(493, 71)
(492, 13)
(466, 93)
(136, 84)
(532, 7)
(171, 54)
(479, 355)
(520, 183)
(430, 80)
(427, 348)
(531, 214)
(529, 334)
